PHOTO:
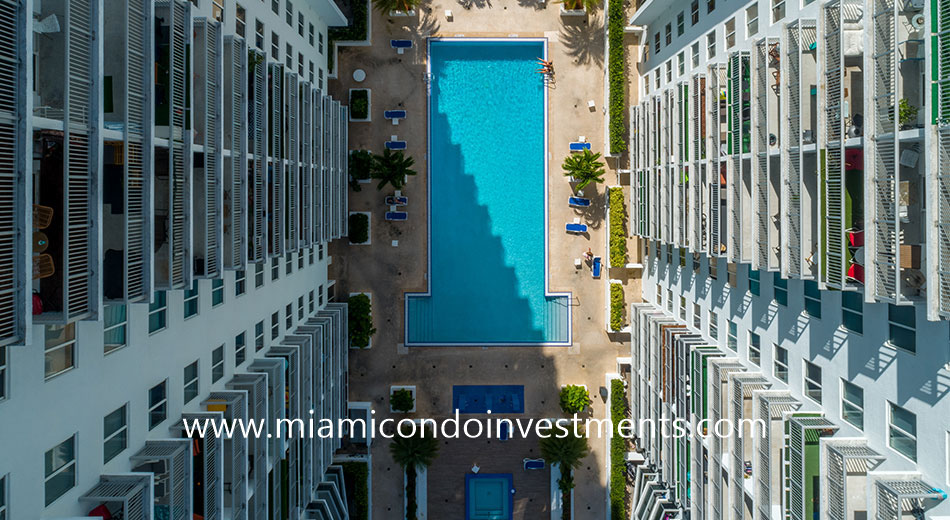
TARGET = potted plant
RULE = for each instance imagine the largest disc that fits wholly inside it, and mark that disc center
(402, 399)
(574, 399)
(392, 168)
(413, 453)
(360, 168)
(578, 7)
(907, 114)
(396, 7)
(360, 319)
(567, 452)
(360, 105)
(584, 168)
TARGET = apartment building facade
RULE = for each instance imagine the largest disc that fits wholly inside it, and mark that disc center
(173, 172)
(789, 189)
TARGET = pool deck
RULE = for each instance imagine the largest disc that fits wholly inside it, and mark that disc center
(397, 82)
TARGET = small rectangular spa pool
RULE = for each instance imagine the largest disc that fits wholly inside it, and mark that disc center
(489, 496)
(500, 399)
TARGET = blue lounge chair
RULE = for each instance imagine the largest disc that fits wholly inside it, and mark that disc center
(397, 216)
(503, 436)
(572, 227)
(395, 145)
(533, 463)
(596, 266)
(579, 147)
(400, 45)
(395, 115)
(397, 200)
(579, 202)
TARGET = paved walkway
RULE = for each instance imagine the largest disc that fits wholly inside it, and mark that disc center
(397, 81)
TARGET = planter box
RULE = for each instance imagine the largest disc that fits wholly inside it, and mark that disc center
(557, 504)
(412, 390)
(370, 295)
(369, 105)
(572, 12)
(421, 493)
(369, 229)
(626, 328)
(368, 460)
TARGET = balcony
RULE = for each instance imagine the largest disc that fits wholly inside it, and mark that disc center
(167, 461)
(256, 387)
(207, 463)
(233, 406)
(846, 476)
(121, 496)
(803, 463)
(235, 160)
(276, 218)
(207, 184)
(256, 145)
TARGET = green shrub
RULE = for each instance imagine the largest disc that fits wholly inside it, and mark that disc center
(574, 399)
(359, 104)
(617, 306)
(360, 167)
(356, 478)
(401, 400)
(618, 449)
(618, 227)
(907, 113)
(358, 228)
(360, 320)
(616, 71)
(355, 31)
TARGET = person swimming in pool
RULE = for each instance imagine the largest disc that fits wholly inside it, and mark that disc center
(547, 66)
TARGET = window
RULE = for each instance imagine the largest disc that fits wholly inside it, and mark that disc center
(157, 312)
(114, 326)
(300, 256)
(755, 349)
(730, 33)
(812, 379)
(300, 72)
(714, 267)
(778, 10)
(902, 432)
(320, 295)
(902, 329)
(259, 34)
(320, 85)
(240, 349)
(755, 285)
(656, 43)
(680, 23)
(191, 300)
(191, 381)
(852, 404)
(311, 303)
(710, 6)
(659, 295)
(681, 68)
(3, 375)
(320, 43)
(300, 24)
(694, 12)
(259, 335)
(852, 311)
(217, 364)
(217, 292)
(732, 275)
(669, 79)
(290, 13)
(157, 404)
(711, 45)
(274, 325)
(713, 326)
(300, 308)
(781, 289)
(240, 25)
(289, 315)
(669, 300)
(289, 56)
(115, 433)
(694, 52)
(274, 269)
(320, 247)
(732, 339)
(682, 308)
(240, 282)
(812, 299)
(275, 6)
(310, 35)
(752, 19)
(259, 275)
(311, 81)
(274, 46)
(697, 317)
(780, 363)
(3, 498)
(60, 469)
(217, 10)
(60, 353)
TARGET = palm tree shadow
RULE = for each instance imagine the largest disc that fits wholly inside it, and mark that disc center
(536, 4)
(584, 39)
(428, 23)
(468, 4)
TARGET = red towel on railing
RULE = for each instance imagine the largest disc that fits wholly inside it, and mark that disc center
(856, 272)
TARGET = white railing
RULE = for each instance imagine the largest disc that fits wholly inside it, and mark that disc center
(257, 137)
(235, 139)
(792, 153)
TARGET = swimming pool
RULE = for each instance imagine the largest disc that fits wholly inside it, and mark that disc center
(487, 273)
(488, 496)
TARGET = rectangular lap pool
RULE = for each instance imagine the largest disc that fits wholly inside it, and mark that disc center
(481, 398)
(488, 496)
(487, 272)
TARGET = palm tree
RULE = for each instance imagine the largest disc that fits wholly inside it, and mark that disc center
(584, 167)
(385, 6)
(392, 168)
(567, 453)
(417, 450)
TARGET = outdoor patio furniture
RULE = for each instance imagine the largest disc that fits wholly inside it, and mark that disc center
(400, 45)
(596, 267)
(855, 237)
(576, 226)
(397, 200)
(533, 463)
(579, 147)
(448, 15)
(395, 115)
(397, 216)
(42, 216)
(395, 145)
(43, 266)
(579, 202)
(578, 263)
(856, 273)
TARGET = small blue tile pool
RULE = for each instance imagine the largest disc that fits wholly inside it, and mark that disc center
(481, 398)
(488, 496)
(487, 273)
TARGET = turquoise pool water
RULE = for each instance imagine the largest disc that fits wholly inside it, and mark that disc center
(487, 212)
(488, 497)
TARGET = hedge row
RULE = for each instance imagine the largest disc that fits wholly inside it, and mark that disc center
(616, 73)
(355, 31)
(360, 320)
(357, 476)
(618, 452)
(617, 305)
(618, 227)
